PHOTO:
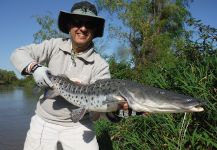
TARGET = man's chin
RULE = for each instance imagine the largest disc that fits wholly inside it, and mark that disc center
(82, 41)
(82, 45)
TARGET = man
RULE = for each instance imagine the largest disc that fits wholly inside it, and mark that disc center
(74, 57)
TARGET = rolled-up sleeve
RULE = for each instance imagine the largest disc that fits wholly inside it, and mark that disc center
(39, 53)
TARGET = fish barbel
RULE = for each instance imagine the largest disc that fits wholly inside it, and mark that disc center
(105, 95)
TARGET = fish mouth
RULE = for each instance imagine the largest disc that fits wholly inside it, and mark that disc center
(194, 106)
(197, 108)
(175, 110)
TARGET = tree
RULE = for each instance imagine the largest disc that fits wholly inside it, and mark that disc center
(7, 77)
(200, 41)
(48, 28)
(152, 28)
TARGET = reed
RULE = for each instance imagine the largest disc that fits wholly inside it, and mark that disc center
(170, 131)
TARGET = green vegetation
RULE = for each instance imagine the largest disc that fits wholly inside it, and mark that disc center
(168, 49)
(164, 54)
(7, 77)
(165, 131)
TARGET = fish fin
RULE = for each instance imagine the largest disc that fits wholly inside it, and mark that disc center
(77, 114)
(51, 93)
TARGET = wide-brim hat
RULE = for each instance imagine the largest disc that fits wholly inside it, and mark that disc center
(83, 11)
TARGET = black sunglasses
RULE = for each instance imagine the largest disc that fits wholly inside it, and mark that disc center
(87, 24)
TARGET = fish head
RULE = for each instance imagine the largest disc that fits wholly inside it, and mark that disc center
(150, 99)
(175, 101)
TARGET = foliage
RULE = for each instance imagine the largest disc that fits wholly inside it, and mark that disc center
(153, 27)
(120, 70)
(168, 131)
(165, 55)
(7, 77)
(48, 28)
(10, 78)
(185, 62)
(27, 82)
(199, 43)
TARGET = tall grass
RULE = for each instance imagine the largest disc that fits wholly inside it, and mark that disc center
(170, 131)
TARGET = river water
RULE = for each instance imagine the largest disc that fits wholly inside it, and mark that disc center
(17, 105)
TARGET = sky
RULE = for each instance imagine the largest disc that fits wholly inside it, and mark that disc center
(17, 25)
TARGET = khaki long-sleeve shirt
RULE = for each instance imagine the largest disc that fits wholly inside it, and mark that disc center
(85, 67)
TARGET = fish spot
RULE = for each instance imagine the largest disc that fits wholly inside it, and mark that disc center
(73, 89)
(114, 90)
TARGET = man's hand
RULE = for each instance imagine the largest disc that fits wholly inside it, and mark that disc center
(40, 75)
(125, 111)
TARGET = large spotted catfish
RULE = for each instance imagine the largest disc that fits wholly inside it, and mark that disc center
(105, 95)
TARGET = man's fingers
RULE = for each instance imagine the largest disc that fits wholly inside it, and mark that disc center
(123, 105)
(124, 108)
(146, 113)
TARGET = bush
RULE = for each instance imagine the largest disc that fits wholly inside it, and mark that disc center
(168, 131)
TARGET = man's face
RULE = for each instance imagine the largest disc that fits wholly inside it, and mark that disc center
(82, 33)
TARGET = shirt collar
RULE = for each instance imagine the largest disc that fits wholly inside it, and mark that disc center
(86, 55)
